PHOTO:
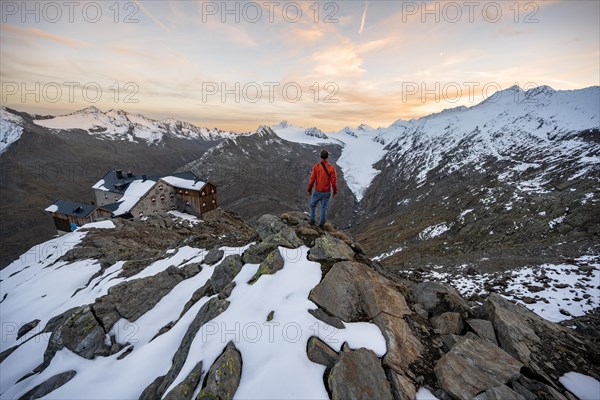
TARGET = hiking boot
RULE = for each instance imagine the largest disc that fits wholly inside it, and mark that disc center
(322, 226)
(312, 223)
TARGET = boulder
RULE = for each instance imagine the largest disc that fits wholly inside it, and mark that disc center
(213, 256)
(224, 375)
(48, 385)
(359, 375)
(499, 393)
(447, 323)
(81, 333)
(329, 248)
(320, 353)
(256, 253)
(226, 271)
(271, 226)
(273, 263)
(474, 365)
(321, 315)
(403, 348)
(25, 328)
(437, 298)
(185, 389)
(353, 292)
(484, 329)
(402, 387)
(513, 327)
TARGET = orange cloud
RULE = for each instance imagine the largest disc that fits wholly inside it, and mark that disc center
(38, 33)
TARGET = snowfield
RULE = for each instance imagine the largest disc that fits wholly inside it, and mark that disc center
(276, 366)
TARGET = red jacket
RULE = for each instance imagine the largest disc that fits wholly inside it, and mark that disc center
(319, 176)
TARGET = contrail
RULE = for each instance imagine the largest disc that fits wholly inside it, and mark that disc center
(152, 17)
(364, 17)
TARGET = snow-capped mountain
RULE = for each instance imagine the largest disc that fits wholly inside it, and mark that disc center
(41, 164)
(120, 125)
(11, 128)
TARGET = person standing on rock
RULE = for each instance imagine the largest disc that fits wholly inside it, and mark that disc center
(324, 179)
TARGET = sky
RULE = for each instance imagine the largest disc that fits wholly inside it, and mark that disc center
(236, 65)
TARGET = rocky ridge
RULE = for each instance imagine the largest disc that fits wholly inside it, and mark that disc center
(434, 338)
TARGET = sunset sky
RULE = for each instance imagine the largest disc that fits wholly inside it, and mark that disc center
(372, 58)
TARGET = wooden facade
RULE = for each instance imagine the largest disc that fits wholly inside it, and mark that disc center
(164, 197)
(63, 222)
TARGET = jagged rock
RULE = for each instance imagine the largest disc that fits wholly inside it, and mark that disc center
(474, 365)
(213, 256)
(513, 328)
(484, 329)
(403, 348)
(438, 298)
(402, 387)
(421, 311)
(448, 322)
(273, 263)
(134, 298)
(223, 376)
(269, 225)
(358, 375)
(499, 393)
(185, 389)
(205, 290)
(226, 292)
(450, 340)
(529, 387)
(320, 353)
(256, 253)
(353, 292)
(329, 248)
(81, 333)
(321, 315)
(226, 271)
(48, 386)
(207, 312)
(23, 330)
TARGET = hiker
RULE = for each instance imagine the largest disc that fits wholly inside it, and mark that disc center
(324, 179)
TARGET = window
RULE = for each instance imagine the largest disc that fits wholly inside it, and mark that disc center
(172, 207)
(162, 197)
(180, 191)
(163, 210)
(213, 202)
(153, 199)
(171, 195)
(105, 196)
(141, 213)
(202, 193)
(155, 211)
(212, 191)
(187, 203)
(203, 204)
(186, 192)
(160, 187)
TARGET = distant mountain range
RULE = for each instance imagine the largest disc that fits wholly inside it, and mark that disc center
(44, 158)
(516, 174)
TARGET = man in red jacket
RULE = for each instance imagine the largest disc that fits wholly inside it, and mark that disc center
(324, 179)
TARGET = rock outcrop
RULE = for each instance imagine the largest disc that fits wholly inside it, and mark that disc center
(457, 348)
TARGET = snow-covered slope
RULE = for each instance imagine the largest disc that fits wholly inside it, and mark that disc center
(511, 126)
(40, 286)
(11, 129)
(120, 125)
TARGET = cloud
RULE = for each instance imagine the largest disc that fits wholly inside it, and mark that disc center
(364, 17)
(40, 34)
